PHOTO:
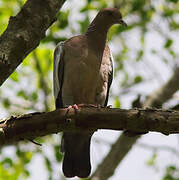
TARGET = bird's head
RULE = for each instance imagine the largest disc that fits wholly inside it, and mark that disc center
(112, 16)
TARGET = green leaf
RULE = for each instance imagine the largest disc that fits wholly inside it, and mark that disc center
(171, 173)
(168, 12)
(151, 161)
(58, 155)
(84, 24)
(34, 96)
(26, 173)
(117, 103)
(22, 94)
(168, 43)
(153, 51)
(139, 55)
(48, 164)
(137, 79)
(15, 76)
(25, 156)
(6, 103)
(63, 19)
(172, 53)
(7, 162)
(87, 7)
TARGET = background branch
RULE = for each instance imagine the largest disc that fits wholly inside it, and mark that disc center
(24, 32)
(124, 144)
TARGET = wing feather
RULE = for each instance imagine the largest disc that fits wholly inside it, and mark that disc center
(58, 72)
(110, 77)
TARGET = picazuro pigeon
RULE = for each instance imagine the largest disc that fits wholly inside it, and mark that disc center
(83, 75)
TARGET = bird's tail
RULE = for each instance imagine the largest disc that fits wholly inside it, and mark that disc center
(76, 160)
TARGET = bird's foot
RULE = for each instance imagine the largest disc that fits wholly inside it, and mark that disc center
(74, 106)
(68, 119)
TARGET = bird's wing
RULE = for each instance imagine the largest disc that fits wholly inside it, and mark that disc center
(110, 77)
(58, 73)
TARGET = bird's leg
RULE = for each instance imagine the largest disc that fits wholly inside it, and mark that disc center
(74, 106)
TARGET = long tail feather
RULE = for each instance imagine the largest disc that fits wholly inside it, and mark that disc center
(76, 161)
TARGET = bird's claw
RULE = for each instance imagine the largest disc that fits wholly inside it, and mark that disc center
(74, 106)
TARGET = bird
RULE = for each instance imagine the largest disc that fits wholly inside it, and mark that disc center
(82, 74)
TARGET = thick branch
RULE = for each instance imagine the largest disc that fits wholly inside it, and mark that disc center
(34, 125)
(124, 144)
(24, 33)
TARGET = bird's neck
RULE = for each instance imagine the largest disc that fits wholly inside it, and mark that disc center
(97, 35)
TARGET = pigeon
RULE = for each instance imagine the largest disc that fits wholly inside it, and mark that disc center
(83, 73)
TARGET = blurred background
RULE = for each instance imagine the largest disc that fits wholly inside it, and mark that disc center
(146, 57)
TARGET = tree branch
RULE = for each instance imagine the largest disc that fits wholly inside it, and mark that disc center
(124, 144)
(24, 32)
(33, 125)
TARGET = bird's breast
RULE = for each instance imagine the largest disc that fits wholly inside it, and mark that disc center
(81, 78)
(84, 74)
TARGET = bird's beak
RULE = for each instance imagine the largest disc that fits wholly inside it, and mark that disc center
(122, 23)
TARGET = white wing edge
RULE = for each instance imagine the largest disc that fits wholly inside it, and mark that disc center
(58, 53)
(112, 61)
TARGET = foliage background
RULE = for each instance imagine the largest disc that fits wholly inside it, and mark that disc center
(146, 53)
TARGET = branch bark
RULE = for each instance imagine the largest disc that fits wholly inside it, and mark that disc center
(24, 33)
(33, 125)
(124, 144)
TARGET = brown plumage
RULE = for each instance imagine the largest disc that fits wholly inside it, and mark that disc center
(83, 74)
